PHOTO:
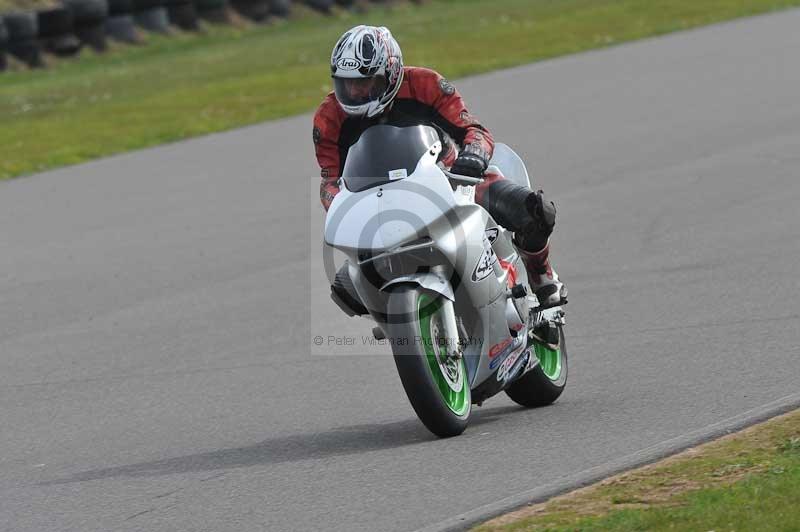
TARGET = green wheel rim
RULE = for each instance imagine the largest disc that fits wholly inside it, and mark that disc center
(448, 375)
(549, 360)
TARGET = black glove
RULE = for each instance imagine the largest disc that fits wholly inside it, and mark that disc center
(469, 164)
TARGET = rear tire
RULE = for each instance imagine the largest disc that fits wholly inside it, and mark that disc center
(436, 385)
(543, 384)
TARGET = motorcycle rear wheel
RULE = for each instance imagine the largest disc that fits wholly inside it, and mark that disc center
(436, 384)
(546, 382)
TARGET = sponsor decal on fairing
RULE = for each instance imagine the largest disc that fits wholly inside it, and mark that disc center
(400, 173)
(492, 234)
(507, 364)
(496, 349)
(484, 266)
(499, 352)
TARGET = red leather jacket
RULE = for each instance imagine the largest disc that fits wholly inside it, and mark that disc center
(425, 97)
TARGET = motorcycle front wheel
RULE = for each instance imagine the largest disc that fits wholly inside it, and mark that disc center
(435, 382)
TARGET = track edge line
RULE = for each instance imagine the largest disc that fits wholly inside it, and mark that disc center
(597, 473)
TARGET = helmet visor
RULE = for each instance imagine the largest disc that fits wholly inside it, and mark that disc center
(359, 91)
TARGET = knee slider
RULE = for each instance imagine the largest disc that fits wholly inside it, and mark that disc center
(542, 209)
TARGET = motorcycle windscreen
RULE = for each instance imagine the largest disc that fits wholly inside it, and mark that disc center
(385, 153)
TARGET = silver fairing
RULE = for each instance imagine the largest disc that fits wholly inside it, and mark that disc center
(421, 211)
(386, 219)
(391, 214)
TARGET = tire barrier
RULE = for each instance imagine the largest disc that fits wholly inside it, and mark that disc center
(22, 42)
(56, 31)
(215, 11)
(64, 30)
(151, 15)
(120, 7)
(280, 8)
(3, 44)
(120, 25)
(183, 14)
(323, 6)
(257, 10)
(89, 20)
(123, 29)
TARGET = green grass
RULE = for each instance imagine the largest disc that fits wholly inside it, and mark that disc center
(748, 482)
(179, 87)
(767, 502)
(25, 5)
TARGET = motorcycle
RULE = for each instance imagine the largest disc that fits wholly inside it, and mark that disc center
(441, 279)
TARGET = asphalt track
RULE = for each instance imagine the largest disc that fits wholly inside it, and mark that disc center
(156, 361)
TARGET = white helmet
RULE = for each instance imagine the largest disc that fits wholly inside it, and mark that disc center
(367, 69)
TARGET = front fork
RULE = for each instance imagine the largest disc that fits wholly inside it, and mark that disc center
(453, 347)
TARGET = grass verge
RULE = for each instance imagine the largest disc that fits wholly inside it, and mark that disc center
(188, 85)
(745, 481)
(25, 5)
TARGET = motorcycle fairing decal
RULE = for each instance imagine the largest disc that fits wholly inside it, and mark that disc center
(484, 268)
(522, 366)
(532, 362)
(500, 348)
(512, 272)
(507, 364)
(497, 361)
(504, 355)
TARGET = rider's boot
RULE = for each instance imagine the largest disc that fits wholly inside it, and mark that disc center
(543, 279)
(532, 217)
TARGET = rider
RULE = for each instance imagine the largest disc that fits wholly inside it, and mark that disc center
(371, 86)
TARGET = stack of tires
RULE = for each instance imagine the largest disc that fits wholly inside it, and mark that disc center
(89, 18)
(320, 5)
(64, 30)
(119, 24)
(280, 8)
(56, 31)
(23, 30)
(215, 11)
(257, 10)
(3, 44)
(183, 14)
(151, 15)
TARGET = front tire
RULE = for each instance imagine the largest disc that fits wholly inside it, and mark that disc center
(543, 384)
(436, 384)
